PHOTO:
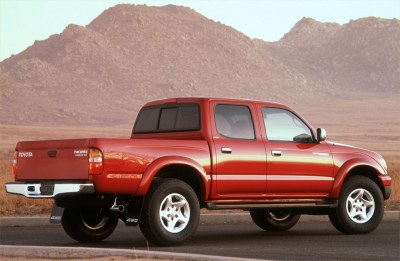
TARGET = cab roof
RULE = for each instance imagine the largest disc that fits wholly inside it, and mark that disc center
(209, 99)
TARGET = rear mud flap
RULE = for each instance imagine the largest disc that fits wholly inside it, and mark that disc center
(56, 214)
(131, 216)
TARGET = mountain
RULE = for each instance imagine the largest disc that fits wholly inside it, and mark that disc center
(363, 55)
(308, 33)
(101, 74)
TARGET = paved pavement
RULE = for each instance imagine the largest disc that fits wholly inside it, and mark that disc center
(205, 219)
(314, 238)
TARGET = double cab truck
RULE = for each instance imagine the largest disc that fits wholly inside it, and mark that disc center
(185, 154)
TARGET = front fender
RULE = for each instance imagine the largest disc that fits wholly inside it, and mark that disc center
(162, 162)
(345, 169)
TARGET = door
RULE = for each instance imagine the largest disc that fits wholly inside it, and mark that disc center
(240, 152)
(297, 166)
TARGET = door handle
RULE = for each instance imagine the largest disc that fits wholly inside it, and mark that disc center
(276, 153)
(226, 150)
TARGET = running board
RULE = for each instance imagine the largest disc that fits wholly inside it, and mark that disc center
(271, 205)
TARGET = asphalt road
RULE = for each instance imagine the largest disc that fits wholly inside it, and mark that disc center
(316, 240)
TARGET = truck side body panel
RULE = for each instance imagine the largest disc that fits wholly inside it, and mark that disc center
(125, 161)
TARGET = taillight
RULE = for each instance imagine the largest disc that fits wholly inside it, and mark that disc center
(95, 161)
(15, 167)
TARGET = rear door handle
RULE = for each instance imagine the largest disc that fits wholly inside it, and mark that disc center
(226, 150)
(276, 153)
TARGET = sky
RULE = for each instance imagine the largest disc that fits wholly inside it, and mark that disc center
(24, 21)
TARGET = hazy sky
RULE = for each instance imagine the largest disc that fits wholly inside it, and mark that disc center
(24, 21)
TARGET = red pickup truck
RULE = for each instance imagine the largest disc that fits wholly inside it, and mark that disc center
(190, 153)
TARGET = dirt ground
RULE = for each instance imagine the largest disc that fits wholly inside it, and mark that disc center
(108, 258)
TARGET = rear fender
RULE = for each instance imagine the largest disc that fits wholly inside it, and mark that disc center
(349, 165)
(162, 162)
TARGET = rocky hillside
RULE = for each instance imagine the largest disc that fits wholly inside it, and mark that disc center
(362, 55)
(102, 73)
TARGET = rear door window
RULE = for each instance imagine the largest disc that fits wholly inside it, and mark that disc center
(234, 121)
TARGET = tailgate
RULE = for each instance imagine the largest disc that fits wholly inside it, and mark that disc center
(53, 160)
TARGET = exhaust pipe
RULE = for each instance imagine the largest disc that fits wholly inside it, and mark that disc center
(117, 208)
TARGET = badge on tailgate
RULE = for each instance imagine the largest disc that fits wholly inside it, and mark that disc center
(52, 153)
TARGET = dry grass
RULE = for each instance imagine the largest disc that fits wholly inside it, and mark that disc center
(394, 171)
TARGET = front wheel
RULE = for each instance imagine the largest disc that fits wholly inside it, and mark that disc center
(274, 220)
(88, 224)
(360, 207)
(171, 213)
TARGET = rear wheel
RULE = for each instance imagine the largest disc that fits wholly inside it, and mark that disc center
(274, 220)
(171, 213)
(360, 207)
(88, 224)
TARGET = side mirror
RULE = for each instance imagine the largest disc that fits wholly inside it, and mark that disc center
(303, 138)
(321, 134)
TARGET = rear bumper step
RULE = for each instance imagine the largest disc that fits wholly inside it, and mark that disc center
(48, 190)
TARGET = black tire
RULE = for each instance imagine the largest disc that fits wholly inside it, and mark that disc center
(335, 221)
(88, 224)
(171, 213)
(360, 206)
(274, 220)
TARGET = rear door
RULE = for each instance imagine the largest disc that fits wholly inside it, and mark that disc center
(239, 150)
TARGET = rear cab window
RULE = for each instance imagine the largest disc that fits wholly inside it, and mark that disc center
(168, 118)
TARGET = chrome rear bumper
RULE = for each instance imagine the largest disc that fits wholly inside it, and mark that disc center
(48, 190)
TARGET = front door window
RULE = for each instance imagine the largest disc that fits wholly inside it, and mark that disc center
(282, 125)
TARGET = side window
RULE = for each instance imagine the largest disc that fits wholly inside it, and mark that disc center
(234, 121)
(282, 125)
